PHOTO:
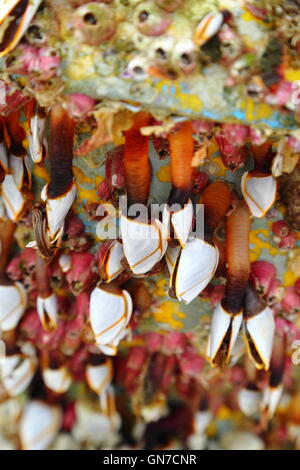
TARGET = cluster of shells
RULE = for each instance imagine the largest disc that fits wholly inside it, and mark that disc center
(70, 304)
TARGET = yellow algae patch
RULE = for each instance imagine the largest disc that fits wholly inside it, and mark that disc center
(248, 16)
(89, 194)
(81, 68)
(190, 102)
(255, 111)
(41, 172)
(224, 413)
(212, 147)
(289, 278)
(291, 75)
(169, 312)
(81, 176)
(160, 287)
(164, 174)
(260, 244)
(217, 167)
(136, 341)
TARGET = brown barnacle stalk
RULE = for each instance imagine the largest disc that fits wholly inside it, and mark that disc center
(217, 199)
(259, 327)
(227, 316)
(181, 146)
(290, 196)
(46, 302)
(144, 241)
(136, 161)
(58, 195)
(13, 296)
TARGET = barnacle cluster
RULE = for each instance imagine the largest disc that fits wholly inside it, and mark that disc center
(149, 224)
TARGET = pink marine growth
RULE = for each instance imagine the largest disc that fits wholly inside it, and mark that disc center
(79, 105)
(174, 343)
(262, 276)
(291, 300)
(134, 363)
(289, 241)
(14, 270)
(280, 228)
(73, 226)
(200, 182)
(190, 363)
(115, 177)
(232, 157)
(153, 341)
(237, 134)
(82, 274)
(39, 61)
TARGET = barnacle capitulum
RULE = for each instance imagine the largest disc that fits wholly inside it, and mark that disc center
(110, 328)
(15, 16)
(208, 27)
(39, 425)
(36, 119)
(99, 374)
(227, 317)
(194, 268)
(46, 302)
(17, 371)
(249, 400)
(274, 389)
(13, 295)
(259, 328)
(259, 191)
(110, 261)
(57, 379)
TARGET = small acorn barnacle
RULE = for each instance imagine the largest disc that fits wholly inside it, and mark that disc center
(184, 56)
(151, 20)
(169, 5)
(93, 23)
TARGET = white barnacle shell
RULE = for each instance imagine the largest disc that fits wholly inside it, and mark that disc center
(47, 310)
(222, 323)
(58, 380)
(181, 221)
(6, 11)
(260, 328)
(194, 268)
(99, 376)
(259, 192)
(110, 313)
(13, 301)
(57, 209)
(144, 244)
(39, 425)
(16, 372)
(12, 197)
